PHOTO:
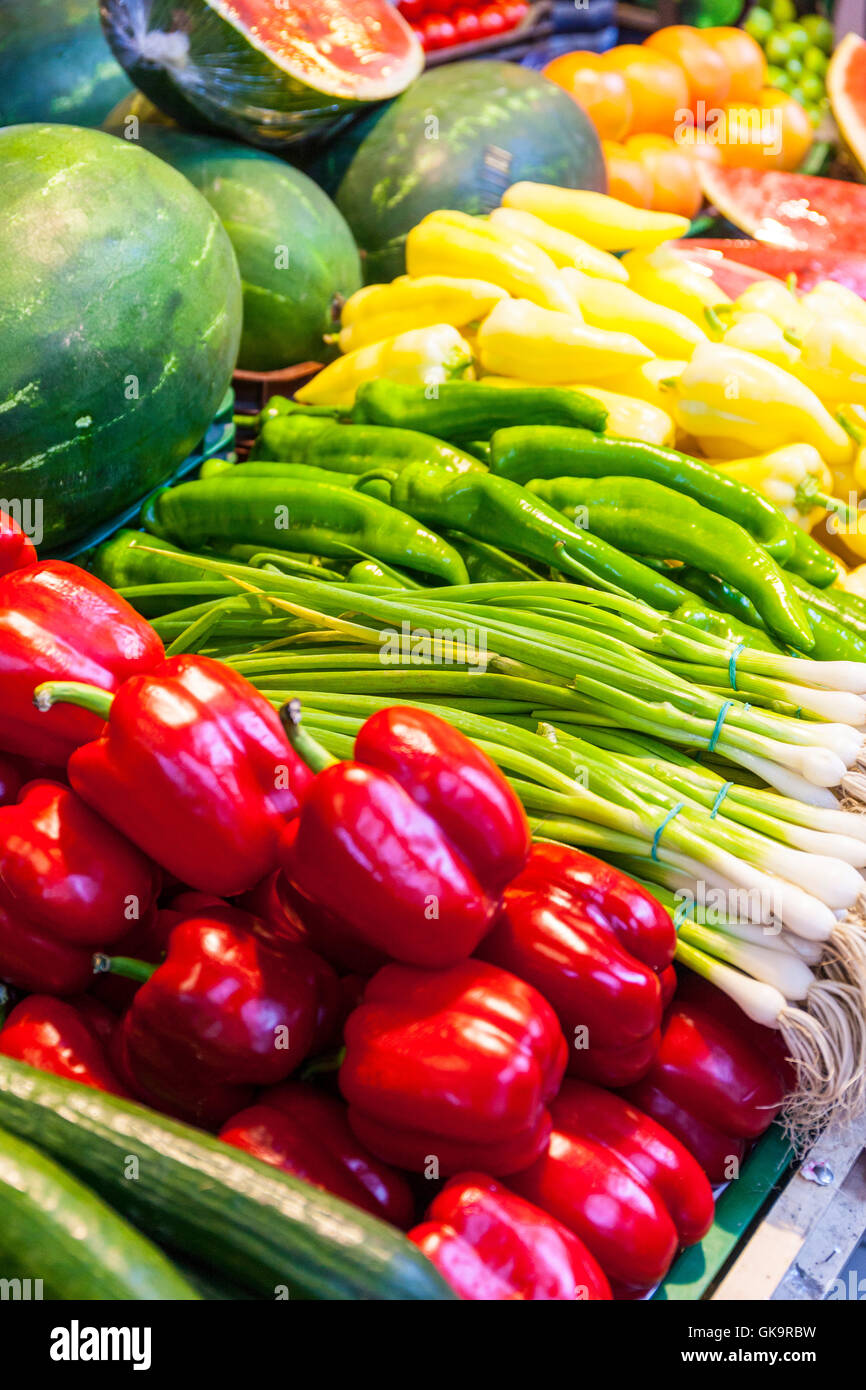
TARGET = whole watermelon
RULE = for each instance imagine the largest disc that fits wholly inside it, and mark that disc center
(119, 322)
(296, 255)
(457, 139)
(55, 63)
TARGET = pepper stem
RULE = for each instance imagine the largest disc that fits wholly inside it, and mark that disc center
(90, 697)
(124, 966)
(307, 748)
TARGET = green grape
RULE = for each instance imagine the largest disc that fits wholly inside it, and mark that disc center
(820, 31)
(799, 95)
(773, 75)
(778, 50)
(783, 11)
(815, 114)
(759, 24)
(797, 37)
(815, 60)
(783, 82)
(794, 68)
(811, 84)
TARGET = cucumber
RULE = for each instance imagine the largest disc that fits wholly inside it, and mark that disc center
(251, 1223)
(54, 1229)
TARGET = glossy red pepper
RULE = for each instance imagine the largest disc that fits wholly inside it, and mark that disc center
(713, 1083)
(300, 919)
(59, 623)
(591, 941)
(306, 1133)
(17, 551)
(229, 1009)
(452, 1069)
(68, 883)
(58, 1036)
(489, 1244)
(194, 767)
(411, 845)
(619, 1181)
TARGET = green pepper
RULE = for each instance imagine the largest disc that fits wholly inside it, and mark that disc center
(318, 519)
(835, 638)
(383, 576)
(702, 616)
(647, 519)
(532, 452)
(811, 561)
(130, 557)
(264, 468)
(487, 564)
(502, 513)
(354, 448)
(458, 410)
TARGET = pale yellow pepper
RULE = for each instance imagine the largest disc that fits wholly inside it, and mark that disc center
(627, 416)
(383, 311)
(420, 357)
(757, 332)
(454, 244)
(520, 339)
(833, 359)
(652, 381)
(594, 217)
(828, 298)
(619, 309)
(667, 276)
(792, 478)
(562, 248)
(729, 399)
(773, 298)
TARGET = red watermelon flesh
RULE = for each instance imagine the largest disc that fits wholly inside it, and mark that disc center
(810, 267)
(729, 272)
(795, 211)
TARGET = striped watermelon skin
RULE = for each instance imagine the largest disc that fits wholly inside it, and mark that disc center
(119, 322)
(457, 139)
(55, 63)
(297, 258)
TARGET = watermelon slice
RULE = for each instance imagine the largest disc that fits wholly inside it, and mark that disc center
(759, 261)
(846, 88)
(269, 71)
(796, 211)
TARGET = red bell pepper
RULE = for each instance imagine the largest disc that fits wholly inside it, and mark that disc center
(713, 1084)
(193, 766)
(68, 883)
(490, 1244)
(306, 1133)
(59, 623)
(411, 845)
(229, 1009)
(619, 1181)
(57, 1036)
(301, 920)
(17, 551)
(591, 941)
(452, 1069)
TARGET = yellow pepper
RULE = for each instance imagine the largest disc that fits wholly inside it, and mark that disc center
(792, 477)
(383, 311)
(773, 298)
(757, 332)
(833, 359)
(854, 582)
(619, 309)
(668, 276)
(594, 217)
(728, 399)
(627, 416)
(420, 357)
(652, 381)
(454, 244)
(562, 248)
(520, 339)
(828, 298)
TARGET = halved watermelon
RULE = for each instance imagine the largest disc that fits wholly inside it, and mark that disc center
(796, 211)
(846, 88)
(270, 72)
(758, 261)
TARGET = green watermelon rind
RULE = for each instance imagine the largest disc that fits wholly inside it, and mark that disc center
(296, 255)
(225, 82)
(119, 323)
(457, 139)
(55, 64)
